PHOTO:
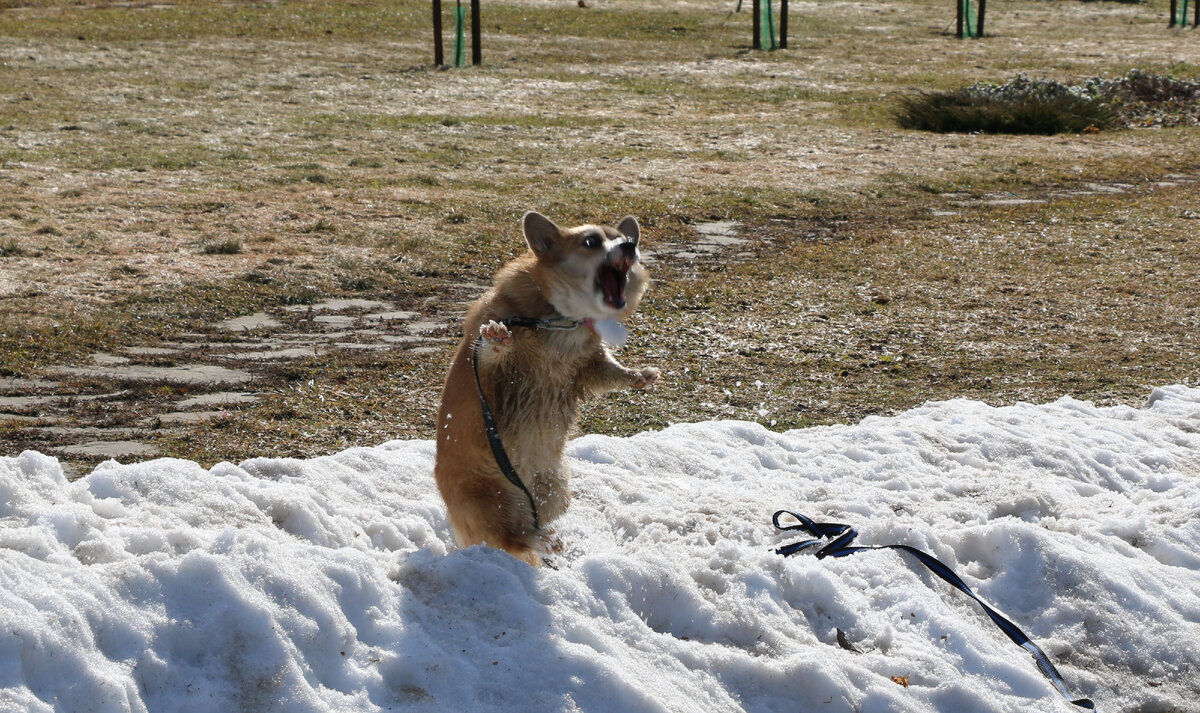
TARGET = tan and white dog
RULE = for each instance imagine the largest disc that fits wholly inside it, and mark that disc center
(540, 353)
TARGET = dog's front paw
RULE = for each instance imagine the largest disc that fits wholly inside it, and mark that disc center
(646, 378)
(550, 543)
(496, 333)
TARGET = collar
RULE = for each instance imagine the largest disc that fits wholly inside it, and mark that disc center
(561, 324)
(610, 330)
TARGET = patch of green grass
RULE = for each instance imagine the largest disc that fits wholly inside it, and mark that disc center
(322, 225)
(1041, 106)
(962, 111)
(229, 246)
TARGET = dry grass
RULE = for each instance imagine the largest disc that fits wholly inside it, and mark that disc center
(315, 137)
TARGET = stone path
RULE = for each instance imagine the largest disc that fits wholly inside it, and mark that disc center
(73, 412)
(76, 414)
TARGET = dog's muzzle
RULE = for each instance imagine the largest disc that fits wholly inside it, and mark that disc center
(614, 273)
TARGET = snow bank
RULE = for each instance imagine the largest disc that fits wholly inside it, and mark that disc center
(330, 584)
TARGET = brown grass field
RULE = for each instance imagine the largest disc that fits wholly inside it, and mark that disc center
(165, 167)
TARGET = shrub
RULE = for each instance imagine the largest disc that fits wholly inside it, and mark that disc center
(1043, 106)
(231, 246)
(1022, 106)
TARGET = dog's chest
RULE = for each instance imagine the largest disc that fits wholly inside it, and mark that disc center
(555, 359)
(540, 384)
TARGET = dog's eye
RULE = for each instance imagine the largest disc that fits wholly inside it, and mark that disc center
(592, 241)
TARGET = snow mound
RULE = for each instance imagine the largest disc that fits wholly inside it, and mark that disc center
(331, 584)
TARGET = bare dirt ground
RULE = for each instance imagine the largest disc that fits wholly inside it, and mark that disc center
(167, 168)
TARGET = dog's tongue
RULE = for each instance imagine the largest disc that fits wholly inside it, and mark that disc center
(612, 282)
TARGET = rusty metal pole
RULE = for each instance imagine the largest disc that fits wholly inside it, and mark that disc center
(437, 33)
(783, 24)
(476, 47)
(756, 10)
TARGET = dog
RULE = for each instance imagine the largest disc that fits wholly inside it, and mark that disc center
(531, 350)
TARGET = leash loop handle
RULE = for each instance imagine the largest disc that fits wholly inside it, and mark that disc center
(841, 536)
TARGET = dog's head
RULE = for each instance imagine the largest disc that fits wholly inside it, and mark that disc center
(587, 272)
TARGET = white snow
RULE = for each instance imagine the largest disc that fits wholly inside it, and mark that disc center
(331, 585)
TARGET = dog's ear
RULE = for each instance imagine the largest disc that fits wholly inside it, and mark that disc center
(540, 233)
(629, 228)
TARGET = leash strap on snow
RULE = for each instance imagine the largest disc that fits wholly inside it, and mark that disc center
(839, 544)
(493, 436)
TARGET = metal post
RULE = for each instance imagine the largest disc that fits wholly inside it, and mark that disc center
(783, 24)
(476, 47)
(982, 13)
(958, 23)
(756, 10)
(437, 33)
(1174, 9)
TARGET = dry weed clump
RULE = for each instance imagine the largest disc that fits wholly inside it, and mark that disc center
(1027, 105)
(1142, 99)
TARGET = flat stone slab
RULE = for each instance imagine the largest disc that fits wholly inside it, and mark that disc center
(339, 305)
(14, 418)
(185, 417)
(722, 228)
(391, 316)
(91, 433)
(111, 449)
(420, 327)
(272, 354)
(218, 398)
(335, 320)
(258, 320)
(12, 384)
(186, 374)
(311, 338)
(247, 344)
(20, 403)
(1012, 201)
(150, 351)
(1105, 188)
(101, 359)
(362, 346)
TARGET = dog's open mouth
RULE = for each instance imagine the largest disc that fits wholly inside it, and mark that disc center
(612, 280)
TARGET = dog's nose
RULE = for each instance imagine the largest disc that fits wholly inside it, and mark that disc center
(624, 251)
(623, 255)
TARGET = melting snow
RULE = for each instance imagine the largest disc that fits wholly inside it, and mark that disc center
(330, 584)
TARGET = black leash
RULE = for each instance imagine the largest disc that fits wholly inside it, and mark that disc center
(489, 421)
(493, 436)
(841, 536)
